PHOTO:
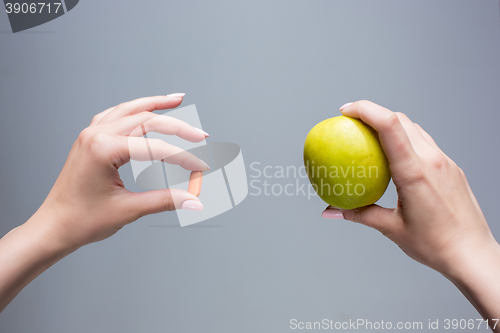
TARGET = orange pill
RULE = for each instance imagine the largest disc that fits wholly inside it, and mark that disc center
(195, 180)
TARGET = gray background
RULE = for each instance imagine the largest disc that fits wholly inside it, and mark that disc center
(261, 75)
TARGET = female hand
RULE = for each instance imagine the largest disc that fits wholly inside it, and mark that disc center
(88, 201)
(437, 221)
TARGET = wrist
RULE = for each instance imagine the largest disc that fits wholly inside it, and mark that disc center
(477, 278)
(473, 259)
(44, 233)
(25, 252)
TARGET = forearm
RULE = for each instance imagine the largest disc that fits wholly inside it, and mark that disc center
(479, 280)
(25, 253)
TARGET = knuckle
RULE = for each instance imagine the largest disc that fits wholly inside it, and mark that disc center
(462, 173)
(356, 216)
(385, 230)
(390, 121)
(437, 160)
(362, 104)
(157, 145)
(351, 215)
(416, 174)
(401, 115)
(99, 138)
(95, 119)
(149, 103)
(145, 117)
(401, 146)
(85, 135)
(159, 101)
(167, 203)
(145, 114)
(97, 143)
(159, 149)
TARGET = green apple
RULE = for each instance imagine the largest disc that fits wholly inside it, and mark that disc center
(345, 163)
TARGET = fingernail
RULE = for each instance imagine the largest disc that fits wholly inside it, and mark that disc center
(202, 161)
(344, 106)
(332, 214)
(203, 132)
(176, 95)
(192, 205)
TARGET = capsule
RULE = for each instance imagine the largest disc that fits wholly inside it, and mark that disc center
(195, 181)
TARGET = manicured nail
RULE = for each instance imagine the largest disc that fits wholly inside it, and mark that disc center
(202, 161)
(331, 213)
(203, 132)
(176, 95)
(344, 106)
(192, 205)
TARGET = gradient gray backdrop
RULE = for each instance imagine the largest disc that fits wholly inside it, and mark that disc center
(261, 74)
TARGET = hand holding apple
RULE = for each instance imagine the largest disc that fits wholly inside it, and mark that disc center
(437, 220)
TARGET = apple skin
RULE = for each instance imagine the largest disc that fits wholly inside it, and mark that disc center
(345, 163)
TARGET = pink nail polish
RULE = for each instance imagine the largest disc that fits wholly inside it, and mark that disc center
(203, 132)
(330, 213)
(344, 106)
(205, 163)
(176, 95)
(192, 205)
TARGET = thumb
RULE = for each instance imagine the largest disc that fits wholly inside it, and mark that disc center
(157, 201)
(382, 219)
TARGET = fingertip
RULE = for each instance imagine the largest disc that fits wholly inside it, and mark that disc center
(346, 105)
(184, 200)
(205, 165)
(176, 95)
(173, 100)
(332, 213)
(205, 134)
(193, 163)
(193, 205)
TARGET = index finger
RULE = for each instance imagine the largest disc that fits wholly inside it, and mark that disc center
(392, 135)
(142, 104)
